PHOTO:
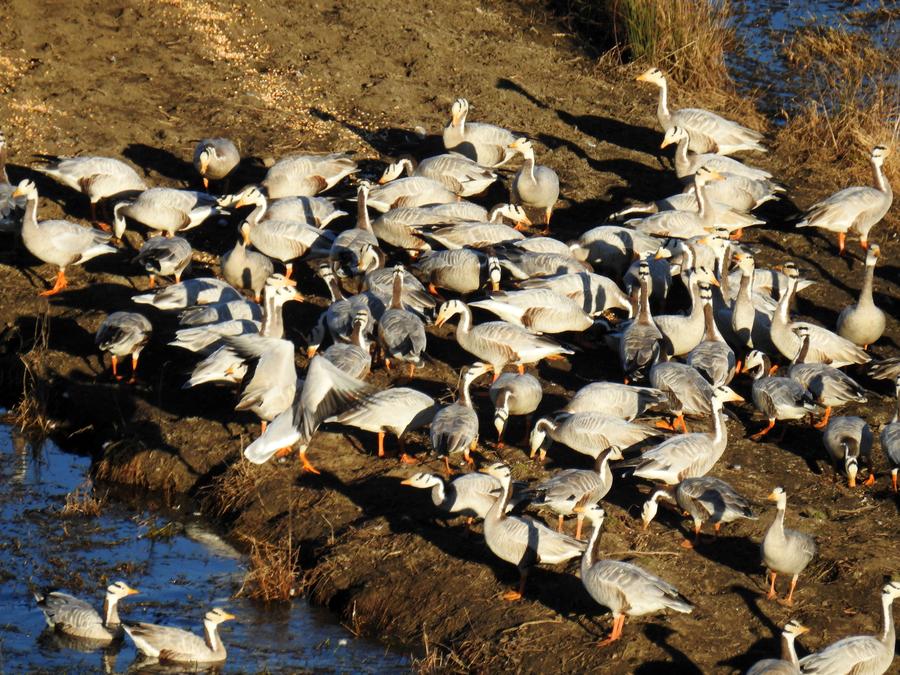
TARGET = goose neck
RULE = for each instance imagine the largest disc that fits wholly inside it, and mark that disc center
(529, 163)
(881, 179)
(362, 211)
(272, 321)
(498, 511)
(4, 177)
(259, 210)
(865, 294)
(662, 104)
(888, 635)
(211, 634)
(111, 611)
(465, 321)
(712, 331)
(788, 653)
(644, 315)
(592, 552)
(30, 219)
(439, 494)
(397, 292)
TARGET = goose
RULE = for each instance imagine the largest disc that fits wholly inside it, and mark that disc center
(686, 165)
(712, 358)
(514, 394)
(456, 172)
(76, 618)
(785, 551)
(337, 319)
(534, 186)
(628, 590)
(619, 400)
(522, 541)
(829, 386)
(57, 242)
(544, 245)
(709, 132)
(123, 334)
(188, 293)
(497, 342)
(412, 191)
(540, 310)
(215, 159)
(824, 346)
(318, 211)
(180, 646)
(854, 209)
(848, 440)
(778, 398)
(483, 143)
(688, 392)
(466, 210)
(471, 495)
(455, 427)
(703, 498)
(685, 455)
(164, 256)
(610, 249)
(460, 270)
(864, 322)
(246, 269)
(306, 175)
(400, 228)
(394, 411)
(771, 283)
(165, 210)
(886, 369)
(571, 491)
(379, 281)
(273, 385)
(746, 323)
(220, 311)
(354, 357)
(348, 249)
(641, 341)
(860, 654)
(401, 333)
(594, 293)
(471, 234)
(682, 332)
(523, 264)
(890, 438)
(97, 177)
(9, 206)
(589, 433)
(788, 664)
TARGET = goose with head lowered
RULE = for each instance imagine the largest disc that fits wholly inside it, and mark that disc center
(778, 398)
(486, 144)
(215, 159)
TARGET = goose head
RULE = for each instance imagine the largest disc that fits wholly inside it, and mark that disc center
(794, 628)
(500, 471)
(651, 507)
(512, 211)
(879, 152)
(779, 496)
(723, 394)
(872, 255)
(891, 590)
(523, 146)
(706, 175)
(851, 464)
(119, 590)
(673, 136)
(495, 272)
(422, 480)
(26, 189)
(206, 156)
(448, 310)
(746, 262)
(653, 76)
(392, 172)
(756, 364)
(595, 514)
(249, 195)
(458, 112)
(217, 615)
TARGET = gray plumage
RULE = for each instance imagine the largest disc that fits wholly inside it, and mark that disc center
(470, 495)
(514, 394)
(788, 664)
(246, 269)
(454, 428)
(96, 177)
(589, 433)
(534, 185)
(203, 291)
(705, 499)
(785, 551)
(165, 256)
(123, 333)
(540, 310)
(460, 270)
(864, 322)
(412, 191)
(215, 158)
(76, 618)
(619, 400)
(486, 144)
(165, 210)
(306, 175)
(456, 172)
(778, 398)
(848, 441)
(180, 646)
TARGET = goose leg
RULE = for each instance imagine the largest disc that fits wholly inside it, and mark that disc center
(772, 594)
(134, 365)
(450, 471)
(288, 270)
(824, 421)
(58, 285)
(789, 600)
(760, 434)
(579, 521)
(559, 523)
(618, 625)
(521, 369)
(306, 465)
(406, 459)
(152, 281)
(517, 594)
(842, 241)
(115, 367)
(894, 479)
(381, 444)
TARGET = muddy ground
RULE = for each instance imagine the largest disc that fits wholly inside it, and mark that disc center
(143, 79)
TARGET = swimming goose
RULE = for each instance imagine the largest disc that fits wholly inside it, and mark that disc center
(594, 293)
(96, 177)
(460, 270)
(486, 144)
(619, 400)
(709, 131)
(829, 386)
(890, 438)
(188, 293)
(864, 322)
(641, 341)
(540, 310)
(522, 541)
(778, 398)
(854, 209)
(57, 242)
(628, 590)
(848, 440)
(589, 433)
(514, 394)
(498, 342)
(860, 654)
(76, 618)
(686, 165)
(165, 210)
(306, 175)
(471, 495)
(164, 256)
(788, 664)
(455, 427)
(10, 207)
(246, 269)
(785, 551)
(180, 646)
(458, 173)
(123, 334)
(534, 186)
(685, 455)
(704, 499)
(572, 491)
(412, 191)
(713, 358)
(401, 333)
(215, 159)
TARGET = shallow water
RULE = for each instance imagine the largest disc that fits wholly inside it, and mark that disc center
(179, 578)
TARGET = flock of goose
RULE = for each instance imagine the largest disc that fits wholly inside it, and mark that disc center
(432, 256)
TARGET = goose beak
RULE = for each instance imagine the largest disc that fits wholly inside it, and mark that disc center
(228, 617)
(800, 630)
(408, 481)
(772, 496)
(240, 202)
(495, 286)
(298, 296)
(641, 78)
(715, 175)
(666, 142)
(204, 163)
(714, 282)
(659, 255)
(440, 320)
(132, 591)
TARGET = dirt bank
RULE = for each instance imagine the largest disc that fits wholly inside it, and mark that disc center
(142, 79)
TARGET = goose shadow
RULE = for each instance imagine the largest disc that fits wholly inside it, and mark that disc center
(769, 647)
(162, 162)
(630, 136)
(659, 635)
(388, 140)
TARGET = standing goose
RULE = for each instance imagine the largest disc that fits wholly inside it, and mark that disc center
(860, 654)
(709, 132)
(337, 319)
(683, 332)
(123, 334)
(628, 590)
(220, 311)
(523, 541)
(456, 172)
(245, 269)
(76, 618)
(96, 177)
(188, 293)
(688, 392)
(58, 242)
(180, 646)
(164, 256)
(848, 441)
(686, 165)
(379, 281)
(534, 186)
(455, 427)
(306, 175)
(540, 310)
(348, 249)
(863, 323)
(788, 664)
(641, 342)
(778, 398)
(854, 209)
(589, 433)
(483, 143)
(514, 394)
(412, 191)
(705, 499)
(619, 400)
(713, 358)
(401, 333)
(594, 293)
(215, 159)
(460, 270)
(610, 249)
(165, 210)
(471, 495)
(497, 342)
(785, 551)
(890, 438)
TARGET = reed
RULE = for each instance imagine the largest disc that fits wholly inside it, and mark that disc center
(83, 502)
(271, 577)
(30, 415)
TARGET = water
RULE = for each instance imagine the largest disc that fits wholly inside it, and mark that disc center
(179, 577)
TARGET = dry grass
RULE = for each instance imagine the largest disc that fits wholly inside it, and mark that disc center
(438, 659)
(30, 414)
(272, 575)
(234, 489)
(82, 501)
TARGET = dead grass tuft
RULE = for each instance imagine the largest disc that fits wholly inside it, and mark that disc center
(234, 489)
(30, 414)
(82, 501)
(438, 659)
(272, 571)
